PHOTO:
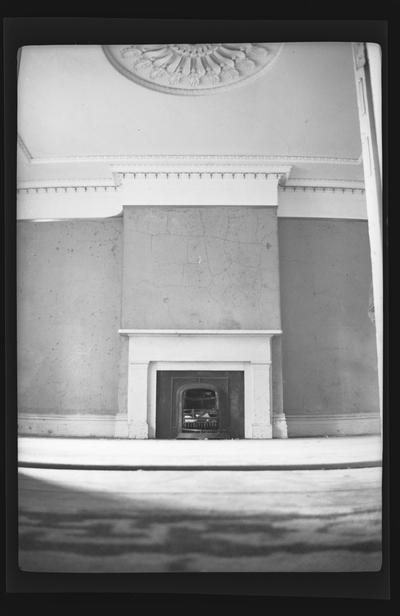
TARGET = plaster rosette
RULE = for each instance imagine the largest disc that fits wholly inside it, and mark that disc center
(192, 69)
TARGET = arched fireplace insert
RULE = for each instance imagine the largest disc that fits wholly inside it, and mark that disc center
(200, 404)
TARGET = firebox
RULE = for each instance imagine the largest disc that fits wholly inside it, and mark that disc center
(200, 404)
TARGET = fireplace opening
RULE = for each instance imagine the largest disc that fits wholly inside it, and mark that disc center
(200, 404)
(199, 408)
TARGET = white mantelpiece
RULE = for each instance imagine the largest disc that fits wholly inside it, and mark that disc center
(245, 350)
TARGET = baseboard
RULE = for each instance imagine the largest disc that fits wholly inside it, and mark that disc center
(105, 426)
(338, 424)
(108, 426)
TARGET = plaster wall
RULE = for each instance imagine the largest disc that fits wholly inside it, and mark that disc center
(69, 294)
(329, 354)
(69, 297)
(200, 268)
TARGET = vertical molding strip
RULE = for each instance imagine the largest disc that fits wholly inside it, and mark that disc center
(373, 192)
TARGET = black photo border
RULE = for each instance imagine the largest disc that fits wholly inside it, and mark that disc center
(163, 587)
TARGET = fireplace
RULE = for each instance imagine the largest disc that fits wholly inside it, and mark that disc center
(242, 406)
(200, 404)
(199, 410)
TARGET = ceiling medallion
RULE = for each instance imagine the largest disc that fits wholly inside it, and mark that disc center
(191, 68)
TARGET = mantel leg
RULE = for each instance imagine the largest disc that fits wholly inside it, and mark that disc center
(137, 401)
(261, 427)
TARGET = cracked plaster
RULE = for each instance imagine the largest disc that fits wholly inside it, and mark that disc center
(200, 267)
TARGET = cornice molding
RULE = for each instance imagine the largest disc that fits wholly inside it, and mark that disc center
(66, 186)
(195, 159)
(129, 186)
(186, 159)
(200, 332)
(65, 189)
(280, 176)
(340, 183)
(101, 202)
(329, 189)
(192, 69)
(323, 185)
(103, 185)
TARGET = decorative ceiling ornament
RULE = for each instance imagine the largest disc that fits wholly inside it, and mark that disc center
(191, 68)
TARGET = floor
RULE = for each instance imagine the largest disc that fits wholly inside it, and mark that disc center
(125, 453)
(79, 520)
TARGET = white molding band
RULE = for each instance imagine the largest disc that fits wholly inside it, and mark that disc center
(201, 189)
(59, 199)
(56, 204)
(199, 332)
(116, 426)
(331, 424)
(81, 425)
(81, 186)
(188, 159)
(322, 202)
(181, 180)
(323, 184)
(269, 187)
(371, 151)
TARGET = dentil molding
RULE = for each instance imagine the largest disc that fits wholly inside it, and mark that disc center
(197, 182)
(281, 175)
(200, 68)
(120, 176)
(220, 170)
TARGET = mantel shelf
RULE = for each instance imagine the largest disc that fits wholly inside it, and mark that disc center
(200, 332)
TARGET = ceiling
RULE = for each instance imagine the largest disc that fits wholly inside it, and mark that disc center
(77, 114)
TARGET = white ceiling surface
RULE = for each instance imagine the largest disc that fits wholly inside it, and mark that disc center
(77, 113)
